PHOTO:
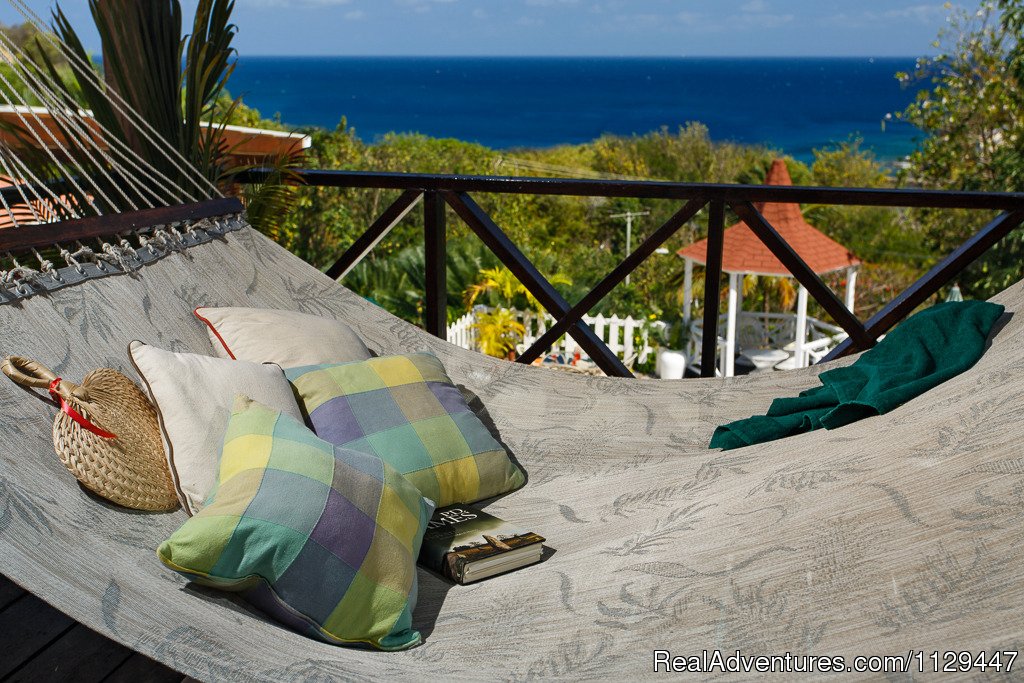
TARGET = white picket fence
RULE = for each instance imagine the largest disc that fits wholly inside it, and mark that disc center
(616, 332)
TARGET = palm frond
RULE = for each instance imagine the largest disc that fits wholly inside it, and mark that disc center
(268, 203)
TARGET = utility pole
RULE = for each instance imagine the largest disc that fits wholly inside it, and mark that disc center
(629, 216)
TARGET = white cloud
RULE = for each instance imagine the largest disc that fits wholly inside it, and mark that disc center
(608, 7)
(689, 18)
(756, 14)
(355, 15)
(422, 6)
(925, 14)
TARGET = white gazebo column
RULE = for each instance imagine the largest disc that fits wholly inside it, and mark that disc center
(801, 327)
(851, 287)
(739, 298)
(730, 326)
(687, 289)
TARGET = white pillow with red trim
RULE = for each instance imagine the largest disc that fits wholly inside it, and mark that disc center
(194, 396)
(288, 338)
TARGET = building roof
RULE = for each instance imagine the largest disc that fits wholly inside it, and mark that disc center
(743, 252)
(246, 145)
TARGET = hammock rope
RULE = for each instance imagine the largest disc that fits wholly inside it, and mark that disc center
(85, 70)
(5, 157)
(90, 171)
(49, 152)
(45, 89)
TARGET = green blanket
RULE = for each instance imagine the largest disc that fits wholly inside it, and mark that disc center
(926, 350)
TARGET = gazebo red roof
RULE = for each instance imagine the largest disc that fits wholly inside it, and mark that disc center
(743, 252)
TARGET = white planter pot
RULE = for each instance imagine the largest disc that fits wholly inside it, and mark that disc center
(670, 363)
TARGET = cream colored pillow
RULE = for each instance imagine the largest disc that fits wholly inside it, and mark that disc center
(193, 396)
(288, 338)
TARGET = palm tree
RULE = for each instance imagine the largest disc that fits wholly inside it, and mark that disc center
(498, 332)
(765, 290)
(503, 285)
(769, 289)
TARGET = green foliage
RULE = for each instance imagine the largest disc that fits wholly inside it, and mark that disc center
(395, 279)
(571, 236)
(890, 243)
(498, 332)
(968, 112)
(267, 202)
(576, 237)
(769, 293)
(395, 282)
(973, 116)
(674, 335)
(234, 112)
(505, 290)
(26, 42)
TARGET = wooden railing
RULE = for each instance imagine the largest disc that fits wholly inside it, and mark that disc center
(437, 191)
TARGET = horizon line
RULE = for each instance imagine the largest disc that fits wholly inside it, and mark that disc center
(459, 56)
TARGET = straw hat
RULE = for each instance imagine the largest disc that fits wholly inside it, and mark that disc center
(106, 434)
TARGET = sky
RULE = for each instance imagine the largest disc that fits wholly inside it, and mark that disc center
(873, 28)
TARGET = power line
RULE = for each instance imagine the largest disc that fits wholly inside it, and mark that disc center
(629, 216)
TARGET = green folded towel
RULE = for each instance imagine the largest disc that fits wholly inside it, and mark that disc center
(926, 350)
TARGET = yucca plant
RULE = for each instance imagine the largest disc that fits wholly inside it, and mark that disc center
(173, 82)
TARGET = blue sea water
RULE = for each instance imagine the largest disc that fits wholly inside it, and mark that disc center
(793, 104)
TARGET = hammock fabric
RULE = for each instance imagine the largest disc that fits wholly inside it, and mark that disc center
(923, 352)
(907, 535)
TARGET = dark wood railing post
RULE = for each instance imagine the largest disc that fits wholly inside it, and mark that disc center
(452, 189)
(619, 273)
(435, 313)
(783, 251)
(712, 288)
(932, 281)
(515, 260)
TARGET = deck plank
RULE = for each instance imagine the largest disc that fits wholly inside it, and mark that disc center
(141, 669)
(80, 655)
(27, 626)
(39, 643)
(9, 592)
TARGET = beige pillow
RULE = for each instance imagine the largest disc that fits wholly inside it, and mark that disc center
(193, 396)
(288, 338)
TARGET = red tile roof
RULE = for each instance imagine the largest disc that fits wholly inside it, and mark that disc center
(743, 252)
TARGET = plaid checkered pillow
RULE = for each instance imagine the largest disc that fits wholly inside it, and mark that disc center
(406, 410)
(322, 538)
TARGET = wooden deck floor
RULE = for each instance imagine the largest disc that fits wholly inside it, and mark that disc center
(39, 643)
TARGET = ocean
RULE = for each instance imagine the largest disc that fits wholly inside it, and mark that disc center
(792, 104)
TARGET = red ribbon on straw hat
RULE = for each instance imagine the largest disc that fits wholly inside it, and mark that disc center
(75, 415)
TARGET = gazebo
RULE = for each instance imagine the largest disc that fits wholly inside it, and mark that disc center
(744, 254)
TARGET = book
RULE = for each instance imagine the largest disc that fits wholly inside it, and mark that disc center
(465, 545)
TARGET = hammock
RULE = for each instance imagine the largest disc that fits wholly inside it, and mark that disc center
(901, 532)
